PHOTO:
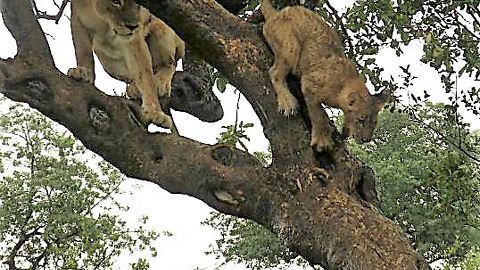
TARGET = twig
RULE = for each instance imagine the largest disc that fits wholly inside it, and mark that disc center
(442, 136)
(236, 112)
(464, 26)
(56, 18)
(34, 4)
(55, 3)
(473, 13)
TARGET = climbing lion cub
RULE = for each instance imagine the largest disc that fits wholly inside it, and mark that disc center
(307, 47)
(133, 46)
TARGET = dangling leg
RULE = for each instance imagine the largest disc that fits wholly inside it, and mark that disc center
(321, 133)
(287, 103)
(140, 68)
(83, 43)
(163, 80)
(286, 48)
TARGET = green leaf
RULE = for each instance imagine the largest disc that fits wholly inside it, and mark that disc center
(222, 84)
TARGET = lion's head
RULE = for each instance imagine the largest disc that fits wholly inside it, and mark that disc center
(125, 17)
(361, 112)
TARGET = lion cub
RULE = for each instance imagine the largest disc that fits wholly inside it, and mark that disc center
(132, 45)
(307, 47)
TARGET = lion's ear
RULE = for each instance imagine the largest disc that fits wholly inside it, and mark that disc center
(382, 98)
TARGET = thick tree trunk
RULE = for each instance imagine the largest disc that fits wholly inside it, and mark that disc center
(321, 205)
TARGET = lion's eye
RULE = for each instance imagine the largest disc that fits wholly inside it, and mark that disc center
(117, 3)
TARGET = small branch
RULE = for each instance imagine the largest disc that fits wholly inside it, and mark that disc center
(36, 262)
(474, 13)
(55, 3)
(104, 198)
(463, 25)
(446, 39)
(236, 111)
(457, 116)
(104, 257)
(30, 146)
(56, 18)
(442, 136)
(35, 7)
(13, 254)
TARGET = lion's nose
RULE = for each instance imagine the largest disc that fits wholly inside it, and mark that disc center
(131, 27)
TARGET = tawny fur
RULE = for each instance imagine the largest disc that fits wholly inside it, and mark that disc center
(132, 45)
(304, 45)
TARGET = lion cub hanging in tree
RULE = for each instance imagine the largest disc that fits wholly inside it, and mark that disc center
(133, 46)
(307, 47)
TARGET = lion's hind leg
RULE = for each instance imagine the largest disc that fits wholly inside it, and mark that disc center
(133, 92)
(286, 48)
(287, 103)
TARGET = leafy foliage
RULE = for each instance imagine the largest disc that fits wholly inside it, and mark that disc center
(471, 261)
(244, 241)
(264, 157)
(235, 134)
(426, 181)
(54, 205)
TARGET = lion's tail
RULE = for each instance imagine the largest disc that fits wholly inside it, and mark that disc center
(267, 9)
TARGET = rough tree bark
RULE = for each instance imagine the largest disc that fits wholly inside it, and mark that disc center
(321, 213)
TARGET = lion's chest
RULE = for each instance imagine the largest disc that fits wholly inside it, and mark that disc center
(110, 46)
(112, 54)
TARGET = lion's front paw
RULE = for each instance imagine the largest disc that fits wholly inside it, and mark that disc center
(321, 143)
(287, 104)
(81, 74)
(164, 88)
(154, 114)
(163, 120)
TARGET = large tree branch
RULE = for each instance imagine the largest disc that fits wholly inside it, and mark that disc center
(325, 220)
(104, 123)
(238, 51)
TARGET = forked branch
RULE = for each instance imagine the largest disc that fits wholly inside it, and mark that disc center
(43, 15)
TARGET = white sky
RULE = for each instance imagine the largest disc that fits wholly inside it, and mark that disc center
(181, 214)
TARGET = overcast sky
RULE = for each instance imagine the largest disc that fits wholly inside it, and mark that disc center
(181, 214)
